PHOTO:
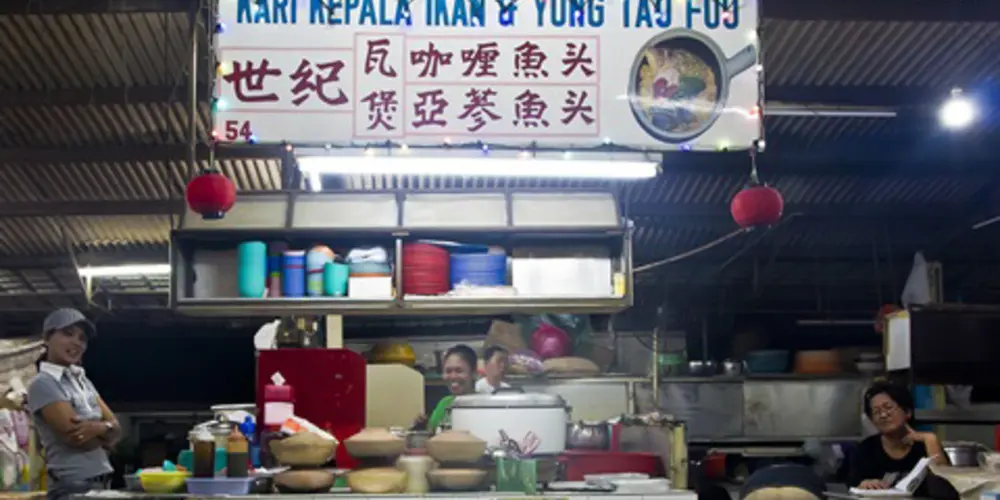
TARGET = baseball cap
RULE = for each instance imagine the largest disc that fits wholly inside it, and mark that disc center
(66, 317)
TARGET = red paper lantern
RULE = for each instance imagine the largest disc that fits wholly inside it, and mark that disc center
(757, 206)
(211, 194)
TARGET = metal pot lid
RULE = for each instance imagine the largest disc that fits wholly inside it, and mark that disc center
(509, 400)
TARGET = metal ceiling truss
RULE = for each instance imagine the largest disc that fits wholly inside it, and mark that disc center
(799, 10)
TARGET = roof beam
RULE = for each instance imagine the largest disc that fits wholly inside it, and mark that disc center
(862, 158)
(98, 258)
(90, 208)
(137, 154)
(16, 7)
(969, 11)
(155, 94)
(873, 212)
(883, 96)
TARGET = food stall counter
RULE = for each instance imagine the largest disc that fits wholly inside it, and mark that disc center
(485, 495)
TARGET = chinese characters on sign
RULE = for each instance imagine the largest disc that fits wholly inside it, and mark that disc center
(398, 86)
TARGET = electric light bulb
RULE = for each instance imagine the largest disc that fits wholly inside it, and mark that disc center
(958, 111)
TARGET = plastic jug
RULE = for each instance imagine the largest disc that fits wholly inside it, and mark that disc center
(252, 269)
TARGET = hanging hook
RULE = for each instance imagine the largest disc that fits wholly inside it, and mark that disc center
(754, 178)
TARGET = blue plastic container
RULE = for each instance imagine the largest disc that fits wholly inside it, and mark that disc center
(217, 486)
(767, 361)
(252, 269)
(478, 269)
(293, 273)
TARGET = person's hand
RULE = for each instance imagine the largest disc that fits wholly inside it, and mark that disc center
(87, 430)
(874, 484)
(913, 436)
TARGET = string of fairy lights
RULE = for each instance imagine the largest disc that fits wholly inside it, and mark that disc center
(223, 68)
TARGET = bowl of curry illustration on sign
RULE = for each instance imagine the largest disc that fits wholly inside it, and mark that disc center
(680, 83)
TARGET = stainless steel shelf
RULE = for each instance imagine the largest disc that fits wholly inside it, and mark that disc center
(520, 305)
(959, 416)
(441, 306)
(281, 306)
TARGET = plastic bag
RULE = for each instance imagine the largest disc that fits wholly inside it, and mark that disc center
(577, 326)
(526, 362)
(917, 290)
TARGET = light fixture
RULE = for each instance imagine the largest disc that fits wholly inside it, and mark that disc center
(958, 111)
(486, 167)
(124, 271)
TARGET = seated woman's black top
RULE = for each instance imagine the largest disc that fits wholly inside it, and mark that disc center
(870, 461)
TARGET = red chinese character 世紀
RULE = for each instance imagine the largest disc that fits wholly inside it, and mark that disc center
(431, 59)
(577, 107)
(248, 81)
(376, 57)
(309, 82)
(529, 110)
(529, 61)
(482, 60)
(382, 106)
(577, 58)
(479, 108)
(428, 109)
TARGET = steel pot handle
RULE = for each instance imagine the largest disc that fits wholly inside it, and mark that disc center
(741, 61)
(516, 390)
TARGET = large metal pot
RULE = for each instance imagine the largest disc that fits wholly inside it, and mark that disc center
(517, 413)
(964, 454)
(588, 436)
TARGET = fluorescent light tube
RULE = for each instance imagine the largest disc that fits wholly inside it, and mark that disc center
(124, 271)
(478, 167)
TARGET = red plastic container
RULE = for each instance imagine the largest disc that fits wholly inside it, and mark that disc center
(425, 269)
(579, 463)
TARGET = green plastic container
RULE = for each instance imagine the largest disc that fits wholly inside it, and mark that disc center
(517, 475)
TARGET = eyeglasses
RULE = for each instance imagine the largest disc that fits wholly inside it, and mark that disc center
(886, 410)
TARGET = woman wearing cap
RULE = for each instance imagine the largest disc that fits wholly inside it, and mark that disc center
(74, 424)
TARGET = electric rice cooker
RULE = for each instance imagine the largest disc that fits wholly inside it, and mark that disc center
(519, 414)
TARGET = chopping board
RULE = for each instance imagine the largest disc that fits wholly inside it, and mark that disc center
(394, 396)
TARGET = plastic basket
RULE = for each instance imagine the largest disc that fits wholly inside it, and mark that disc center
(213, 486)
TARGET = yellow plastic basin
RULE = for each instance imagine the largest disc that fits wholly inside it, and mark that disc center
(159, 481)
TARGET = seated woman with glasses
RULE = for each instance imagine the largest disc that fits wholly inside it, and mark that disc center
(881, 460)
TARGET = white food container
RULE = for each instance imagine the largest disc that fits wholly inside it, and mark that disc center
(517, 413)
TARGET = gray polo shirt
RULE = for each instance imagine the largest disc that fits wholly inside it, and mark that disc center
(56, 383)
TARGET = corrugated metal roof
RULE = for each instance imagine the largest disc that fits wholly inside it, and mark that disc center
(897, 54)
(96, 50)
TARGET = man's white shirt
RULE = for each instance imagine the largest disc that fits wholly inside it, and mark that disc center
(483, 386)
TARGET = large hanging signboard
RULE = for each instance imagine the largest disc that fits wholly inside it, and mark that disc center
(655, 74)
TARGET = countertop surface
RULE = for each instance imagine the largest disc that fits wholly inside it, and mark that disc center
(675, 494)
